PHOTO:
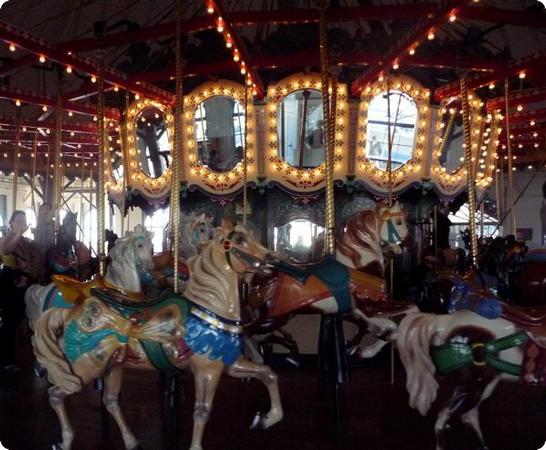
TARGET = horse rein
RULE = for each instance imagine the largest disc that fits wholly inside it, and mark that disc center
(249, 259)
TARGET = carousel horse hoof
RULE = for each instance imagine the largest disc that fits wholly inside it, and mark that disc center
(257, 423)
(40, 371)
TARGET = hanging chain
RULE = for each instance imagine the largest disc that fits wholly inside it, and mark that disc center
(470, 181)
(447, 132)
(175, 176)
(509, 149)
(328, 112)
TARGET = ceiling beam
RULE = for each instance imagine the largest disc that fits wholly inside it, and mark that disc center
(504, 16)
(15, 94)
(524, 97)
(401, 49)
(67, 126)
(531, 65)
(231, 34)
(312, 58)
(39, 46)
(9, 136)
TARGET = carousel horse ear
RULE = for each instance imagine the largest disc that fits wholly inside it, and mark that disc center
(227, 224)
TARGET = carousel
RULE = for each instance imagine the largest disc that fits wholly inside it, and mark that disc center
(216, 203)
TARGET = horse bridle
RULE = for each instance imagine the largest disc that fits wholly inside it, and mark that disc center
(249, 259)
(393, 235)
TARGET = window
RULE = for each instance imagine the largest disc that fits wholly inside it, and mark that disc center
(90, 236)
(299, 239)
(402, 122)
(460, 221)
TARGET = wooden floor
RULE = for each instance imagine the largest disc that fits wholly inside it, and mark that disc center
(376, 415)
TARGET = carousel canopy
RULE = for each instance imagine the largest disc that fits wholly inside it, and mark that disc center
(260, 43)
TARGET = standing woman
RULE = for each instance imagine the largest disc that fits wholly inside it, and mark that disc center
(17, 253)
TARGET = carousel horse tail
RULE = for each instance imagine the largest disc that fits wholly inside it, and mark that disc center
(414, 338)
(49, 353)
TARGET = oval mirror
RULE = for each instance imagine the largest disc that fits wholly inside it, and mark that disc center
(452, 131)
(396, 111)
(220, 132)
(300, 240)
(154, 150)
(300, 129)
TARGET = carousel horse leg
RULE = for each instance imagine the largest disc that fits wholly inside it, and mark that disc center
(56, 401)
(463, 406)
(206, 375)
(377, 326)
(110, 399)
(472, 417)
(243, 368)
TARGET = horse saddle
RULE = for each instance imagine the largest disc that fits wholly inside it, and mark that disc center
(333, 274)
(74, 290)
(525, 316)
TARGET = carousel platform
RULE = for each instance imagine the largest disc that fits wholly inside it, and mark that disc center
(376, 414)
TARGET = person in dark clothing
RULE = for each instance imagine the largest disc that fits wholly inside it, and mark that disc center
(14, 279)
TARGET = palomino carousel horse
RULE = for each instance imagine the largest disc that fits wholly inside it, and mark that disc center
(122, 271)
(69, 256)
(332, 285)
(474, 353)
(196, 231)
(111, 330)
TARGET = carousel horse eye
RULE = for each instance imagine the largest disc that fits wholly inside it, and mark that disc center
(399, 222)
(140, 246)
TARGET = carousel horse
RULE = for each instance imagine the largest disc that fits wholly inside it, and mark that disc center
(338, 284)
(200, 330)
(69, 256)
(122, 272)
(519, 273)
(196, 231)
(474, 353)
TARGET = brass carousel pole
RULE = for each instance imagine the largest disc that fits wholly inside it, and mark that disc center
(57, 158)
(175, 176)
(16, 158)
(33, 180)
(470, 180)
(245, 160)
(328, 114)
(101, 165)
(509, 150)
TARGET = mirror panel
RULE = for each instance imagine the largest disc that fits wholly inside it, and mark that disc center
(153, 144)
(452, 155)
(220, 132)
(300, 129)
(402, 123)
(300, 240)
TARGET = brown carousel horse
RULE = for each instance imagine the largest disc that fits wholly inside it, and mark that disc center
(340, 284)
(199, 330)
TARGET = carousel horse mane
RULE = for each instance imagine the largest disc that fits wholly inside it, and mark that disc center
(361, 236)
(210, 284)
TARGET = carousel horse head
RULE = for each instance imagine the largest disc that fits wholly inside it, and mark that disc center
(131, 260)
(197, 230)
(369, 234)
(393, 228)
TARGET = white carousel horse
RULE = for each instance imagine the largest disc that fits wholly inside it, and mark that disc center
(200, 331)
(474, 353)
(131, 257)
(196, 231)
